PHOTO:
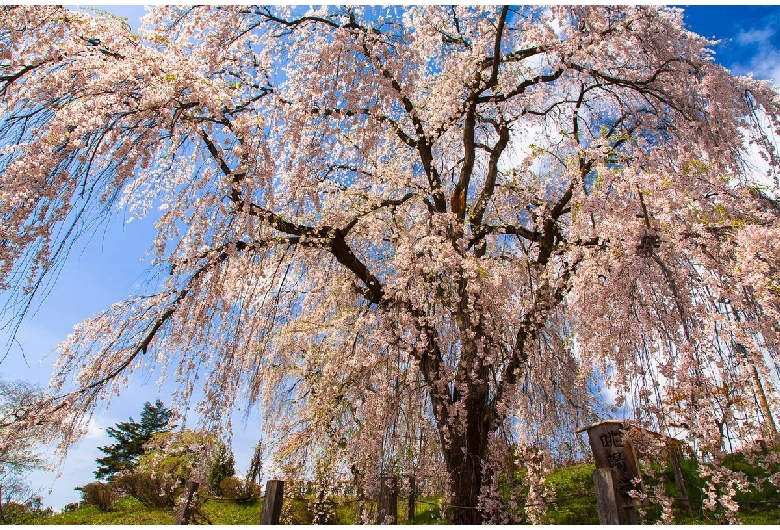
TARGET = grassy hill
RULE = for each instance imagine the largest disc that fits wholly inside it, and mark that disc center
(574, 502)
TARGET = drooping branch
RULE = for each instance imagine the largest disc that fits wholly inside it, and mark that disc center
(326, 237)
(547, 297)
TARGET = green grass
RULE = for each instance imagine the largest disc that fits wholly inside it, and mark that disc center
(575, 500)
(573, 503)
(126, 511)
(130, 511)
(232, 512)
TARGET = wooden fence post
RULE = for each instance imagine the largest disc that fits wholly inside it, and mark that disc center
(321, 515)
(358, 496)
(673, 446)
(185, 512)
(387, 510)
(412, 504)
(272, 505)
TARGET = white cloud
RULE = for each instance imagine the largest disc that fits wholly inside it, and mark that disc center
(764, 65)
(95, 431)
(764, 56)
(755, 36)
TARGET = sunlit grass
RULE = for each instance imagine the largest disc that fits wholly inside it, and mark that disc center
(574, 502)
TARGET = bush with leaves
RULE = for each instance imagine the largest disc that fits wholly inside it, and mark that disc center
(220, 466)
(70, 507)
(188, 454)
(29, 512)
(153, 490)
(99, 495)
(236, 488)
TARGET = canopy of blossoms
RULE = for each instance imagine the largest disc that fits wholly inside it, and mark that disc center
(417, 237)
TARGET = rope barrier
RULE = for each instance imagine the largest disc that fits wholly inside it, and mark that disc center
(448, 506)
(240, 500)
(445, 506)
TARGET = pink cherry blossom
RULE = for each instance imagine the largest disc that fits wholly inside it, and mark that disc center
(410, 235)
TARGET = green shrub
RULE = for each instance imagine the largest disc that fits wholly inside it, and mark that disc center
(153, 491)
(70, 507)
(235, 488)
(220, 465)
(28, 513)
(98, 494)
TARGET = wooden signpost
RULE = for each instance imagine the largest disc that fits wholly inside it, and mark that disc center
(617, 473)
(184, 513)
(272, 504)
(387, 509)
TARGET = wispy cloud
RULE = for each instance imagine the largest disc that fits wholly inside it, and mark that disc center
(754, 36)
(764, 61)
(765, 65)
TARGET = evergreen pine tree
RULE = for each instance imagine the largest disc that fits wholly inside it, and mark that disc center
(255, 471)
(131, 436)
(221, 466)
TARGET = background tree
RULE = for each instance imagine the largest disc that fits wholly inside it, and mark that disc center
(221, 465)
(494, 210)
(189, 454)
(131, 438)
(254, 473)
(20, 452)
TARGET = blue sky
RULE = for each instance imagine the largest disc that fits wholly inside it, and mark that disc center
(110, 267)
(749, 35)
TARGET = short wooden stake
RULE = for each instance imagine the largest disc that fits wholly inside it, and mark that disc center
(358, 498)
(185, 512)
(411, 506)
(674, 455)
(388, 500)
(272, 505)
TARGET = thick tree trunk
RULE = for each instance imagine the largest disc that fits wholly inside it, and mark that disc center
(465, 481)
(464, 415)
(465, 456)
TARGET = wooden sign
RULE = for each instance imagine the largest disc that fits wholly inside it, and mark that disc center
(613, 450)
(272, 505)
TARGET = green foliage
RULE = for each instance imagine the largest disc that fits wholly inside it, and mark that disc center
(98, 494)
(221, 466)
(177, 455)
(171, 455)
(255, 471)
(29, 512)
(126, 511)
(152, 490)
(131, 437)
(235, 488)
